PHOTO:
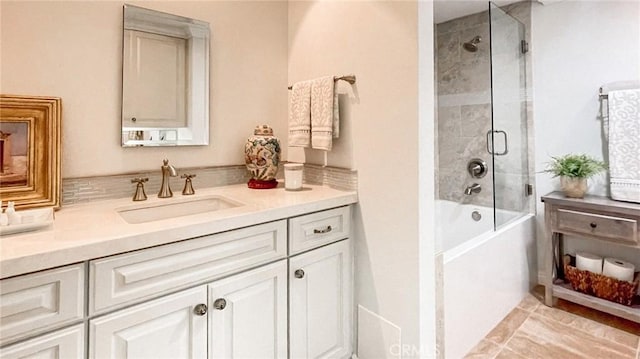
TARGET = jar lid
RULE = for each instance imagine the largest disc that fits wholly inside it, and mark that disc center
(293, 166)
(263, 130)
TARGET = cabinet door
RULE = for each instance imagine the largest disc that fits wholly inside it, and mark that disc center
(167, 327)
(248, 314)
(320, 302)
(64, 343)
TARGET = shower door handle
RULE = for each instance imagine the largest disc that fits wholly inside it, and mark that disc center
(506, 143)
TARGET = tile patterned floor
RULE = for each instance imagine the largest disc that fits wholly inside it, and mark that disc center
(533, 330)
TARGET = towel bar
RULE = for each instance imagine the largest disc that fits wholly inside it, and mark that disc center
(349, 78)
(603, 96)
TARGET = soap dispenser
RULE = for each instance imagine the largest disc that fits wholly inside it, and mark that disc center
(14, 218)
(4, 220)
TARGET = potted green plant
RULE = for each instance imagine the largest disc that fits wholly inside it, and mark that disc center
(574, 170)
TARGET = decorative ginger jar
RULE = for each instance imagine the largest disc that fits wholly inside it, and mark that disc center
(262, 157)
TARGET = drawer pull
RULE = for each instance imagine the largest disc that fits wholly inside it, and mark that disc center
(321, 231)
(593, 224)
(220, 304)
(200, 309)
(299, 274)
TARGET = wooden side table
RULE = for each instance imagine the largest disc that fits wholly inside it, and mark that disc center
(593, 218)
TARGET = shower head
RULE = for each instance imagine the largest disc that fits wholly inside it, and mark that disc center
(472, 46)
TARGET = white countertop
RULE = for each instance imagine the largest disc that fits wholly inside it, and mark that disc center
(92, 230)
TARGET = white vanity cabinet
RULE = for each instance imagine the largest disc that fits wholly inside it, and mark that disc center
(320, 292)
(281, 289)
(134, 277)
(42, 301)
(248, 314)
(63, 343)
(173, 326)
(242, 316)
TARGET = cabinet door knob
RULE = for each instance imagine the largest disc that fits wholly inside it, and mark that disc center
(320, 231)
(299, 273)
(220, 304)
(200, 309)
(593, 224)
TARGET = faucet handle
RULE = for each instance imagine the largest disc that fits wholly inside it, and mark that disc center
(140, 195)
(188, 185)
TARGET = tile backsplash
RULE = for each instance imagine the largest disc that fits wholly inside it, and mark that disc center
(88, 189)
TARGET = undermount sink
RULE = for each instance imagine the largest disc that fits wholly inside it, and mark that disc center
(175, 208)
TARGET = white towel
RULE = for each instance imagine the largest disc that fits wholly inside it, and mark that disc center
(299, 114)
(624, 144)
(325, 113)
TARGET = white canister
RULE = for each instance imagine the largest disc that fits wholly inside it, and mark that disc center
(293, 176)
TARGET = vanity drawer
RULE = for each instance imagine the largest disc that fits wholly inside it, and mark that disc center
(34, 303)
(317, 229)
(63, 343)
(617, 229)
(132, 277)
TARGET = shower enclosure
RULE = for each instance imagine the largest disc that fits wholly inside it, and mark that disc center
(482, 117)
(485, 228)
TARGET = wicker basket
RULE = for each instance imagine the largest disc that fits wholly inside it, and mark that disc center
(599, 285)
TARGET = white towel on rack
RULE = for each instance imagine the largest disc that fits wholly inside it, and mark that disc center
(325, 113)
(619, 85)
(624, 144)
(300, 115)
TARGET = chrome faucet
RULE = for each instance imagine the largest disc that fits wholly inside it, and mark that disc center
(167, 171)
(474, 188)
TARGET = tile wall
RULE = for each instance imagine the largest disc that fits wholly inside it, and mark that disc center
(464, 111)
(464, 115)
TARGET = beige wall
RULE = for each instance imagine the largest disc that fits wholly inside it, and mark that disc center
(377, 41)
(73, 49)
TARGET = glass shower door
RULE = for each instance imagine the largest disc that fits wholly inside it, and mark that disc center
(507, 139)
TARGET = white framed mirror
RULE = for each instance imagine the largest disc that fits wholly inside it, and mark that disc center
(165, 79)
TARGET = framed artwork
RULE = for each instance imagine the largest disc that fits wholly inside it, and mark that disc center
(30, 150)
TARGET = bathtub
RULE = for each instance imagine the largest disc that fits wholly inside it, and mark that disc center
(486, 273)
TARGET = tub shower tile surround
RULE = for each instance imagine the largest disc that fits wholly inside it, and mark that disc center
(457, 145)
(464, 115)
(522, 12)
(89, 189)
(462, 95)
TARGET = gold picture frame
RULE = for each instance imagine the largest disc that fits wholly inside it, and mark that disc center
(30, 150)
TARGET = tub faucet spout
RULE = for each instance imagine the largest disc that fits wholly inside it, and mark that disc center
(474, 188)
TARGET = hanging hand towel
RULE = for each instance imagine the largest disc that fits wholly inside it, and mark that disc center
(324, 113)
(299, 114)
(624, 144)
